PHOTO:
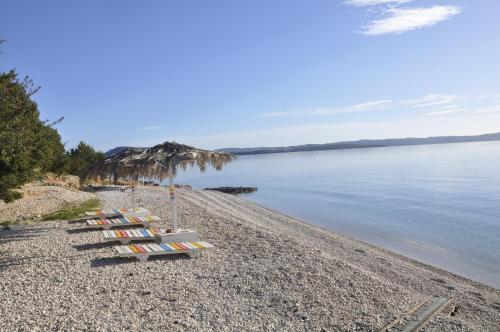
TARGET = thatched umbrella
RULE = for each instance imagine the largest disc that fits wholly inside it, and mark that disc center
(115, 166)
(160, 162)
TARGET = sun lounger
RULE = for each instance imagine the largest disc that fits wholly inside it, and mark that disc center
(101, 213)
(152, 233)
(143, 251)
(121, 222)
(125, 236)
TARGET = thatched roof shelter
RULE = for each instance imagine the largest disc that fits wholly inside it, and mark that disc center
(159, 162)
(117, 165)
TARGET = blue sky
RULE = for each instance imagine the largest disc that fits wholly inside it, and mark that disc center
(257, 73)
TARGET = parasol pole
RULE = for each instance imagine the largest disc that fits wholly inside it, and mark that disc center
(133, 193)
(172, 198)
(171, 189)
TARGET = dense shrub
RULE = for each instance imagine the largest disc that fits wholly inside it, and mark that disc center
(81, 158)
(28, 146)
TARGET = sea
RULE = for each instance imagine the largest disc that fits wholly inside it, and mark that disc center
(439, 204)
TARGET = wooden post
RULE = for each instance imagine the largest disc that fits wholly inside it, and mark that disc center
(172, 198)
(133, 194)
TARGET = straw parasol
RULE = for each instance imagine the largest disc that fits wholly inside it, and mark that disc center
(160, 162)
(115, 166)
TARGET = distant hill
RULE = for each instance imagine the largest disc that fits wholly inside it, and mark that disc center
(364, 144)
(116, 150)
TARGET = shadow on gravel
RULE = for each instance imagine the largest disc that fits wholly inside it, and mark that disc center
(80, 230)
(76, 221)
(110, 261)
(20, 233)
(92, 246)
(9, 262)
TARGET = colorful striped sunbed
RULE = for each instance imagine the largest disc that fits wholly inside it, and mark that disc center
(102, 213)
(121, 222)
(143, 251)
(125, 236)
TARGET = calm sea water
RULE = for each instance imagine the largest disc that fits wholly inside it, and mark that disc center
(439, 204)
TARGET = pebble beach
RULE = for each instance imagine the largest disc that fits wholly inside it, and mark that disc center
(267, 272)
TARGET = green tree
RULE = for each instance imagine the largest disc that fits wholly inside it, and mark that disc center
(28, 146)
(82, 158)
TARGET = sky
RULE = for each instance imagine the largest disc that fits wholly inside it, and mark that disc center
(227, 73)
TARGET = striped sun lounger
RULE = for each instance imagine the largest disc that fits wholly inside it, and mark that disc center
(143, 251)
(125, 236)
(101, 213)
(121, 222)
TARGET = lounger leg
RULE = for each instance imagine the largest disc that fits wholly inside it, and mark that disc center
(142, 258)
(194, 253)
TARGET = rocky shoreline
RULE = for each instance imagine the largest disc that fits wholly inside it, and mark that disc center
(268, 272)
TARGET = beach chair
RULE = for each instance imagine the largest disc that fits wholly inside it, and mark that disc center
(143, 251)
(113, 213)
(153, 233)
(125, 236)
(107, 224)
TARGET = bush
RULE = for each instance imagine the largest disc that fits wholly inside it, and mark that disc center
(28, 146)
(81, 158)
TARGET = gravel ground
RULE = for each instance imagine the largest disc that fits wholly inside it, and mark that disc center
(38, 200)
(268, 272)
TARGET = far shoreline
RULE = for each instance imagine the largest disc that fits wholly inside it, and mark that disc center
(348, 145)
(359, 148)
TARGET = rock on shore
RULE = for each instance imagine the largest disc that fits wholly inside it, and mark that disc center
(234, 190)
(268, 272)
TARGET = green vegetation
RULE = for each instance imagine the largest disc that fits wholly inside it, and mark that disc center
(81, 158)
(72, 211)
(30, 147)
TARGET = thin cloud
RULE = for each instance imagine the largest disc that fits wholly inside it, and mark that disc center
(365, 3)
(149, 128)
(489, 109)
(448, 107)
(433, 104)
(372, 105)
(432, 100)
(400, 20)
(490, 96)
(440, 113)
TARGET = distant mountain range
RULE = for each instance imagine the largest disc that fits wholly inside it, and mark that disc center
(351, 144)
(364, 144)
